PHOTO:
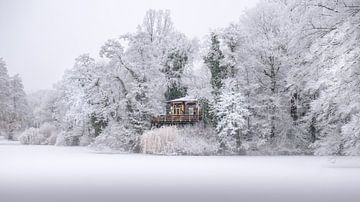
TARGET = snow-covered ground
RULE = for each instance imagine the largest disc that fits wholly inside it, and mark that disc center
(49, 173)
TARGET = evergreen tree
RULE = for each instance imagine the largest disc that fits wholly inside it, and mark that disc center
(173, 69)
(214, 61)
(231, 112)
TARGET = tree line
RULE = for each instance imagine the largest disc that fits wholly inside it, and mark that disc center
(284, 79)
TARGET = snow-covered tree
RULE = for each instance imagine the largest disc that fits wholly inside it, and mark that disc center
(19, 115)
(179, 56)
(4, 97)
(334, 62)
(231, 112)
(214, 61)
(267, 34)
(14, 109)
(127, 87)
(285, 78)
(75, 99)
(44, 108)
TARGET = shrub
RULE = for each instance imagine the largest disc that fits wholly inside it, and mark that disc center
(68, 138)
(85, 140)
(61, 140)
(172, 140)
(31, 136)
(44, 135)
(116, 136)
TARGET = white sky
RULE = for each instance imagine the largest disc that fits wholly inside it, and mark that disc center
(39, 39)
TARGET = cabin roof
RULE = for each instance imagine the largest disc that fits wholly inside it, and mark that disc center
(184, 99)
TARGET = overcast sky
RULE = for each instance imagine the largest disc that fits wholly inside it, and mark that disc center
(39, 39)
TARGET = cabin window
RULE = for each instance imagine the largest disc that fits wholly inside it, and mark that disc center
(171, 110)
(191, 111)
(178, 109)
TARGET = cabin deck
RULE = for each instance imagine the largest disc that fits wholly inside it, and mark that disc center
(175, 119)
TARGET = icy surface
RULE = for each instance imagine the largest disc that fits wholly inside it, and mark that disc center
(49, 173)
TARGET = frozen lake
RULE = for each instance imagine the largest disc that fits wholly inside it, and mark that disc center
(49, 173)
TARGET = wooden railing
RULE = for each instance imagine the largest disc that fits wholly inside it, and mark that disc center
(175, 119)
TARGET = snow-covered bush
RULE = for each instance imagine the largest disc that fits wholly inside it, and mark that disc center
(159, 141)
(68, 138)
(31, 136)
(76, 136)
(61, 140)
(329, 145)
(116, 136)
(172, 140)
(2, 133)
(44, 135)
(85, 140)
(16, 135)
(352, 136)
(6, 135)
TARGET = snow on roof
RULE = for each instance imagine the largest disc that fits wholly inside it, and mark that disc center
(184, 99)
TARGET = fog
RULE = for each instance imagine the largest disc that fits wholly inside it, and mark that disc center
(39, 39)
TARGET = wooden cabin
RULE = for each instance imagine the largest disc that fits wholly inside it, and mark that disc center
(184, 110)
